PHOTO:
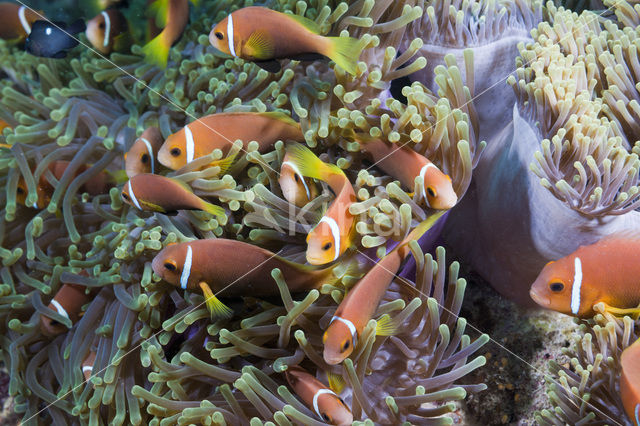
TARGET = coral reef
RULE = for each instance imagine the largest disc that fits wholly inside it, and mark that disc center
(159, 359)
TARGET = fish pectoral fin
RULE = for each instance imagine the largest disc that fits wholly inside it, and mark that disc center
(259, 46)
(336, 382)
(217, 309)
(632, 312)
(270, 66)
(385, 326)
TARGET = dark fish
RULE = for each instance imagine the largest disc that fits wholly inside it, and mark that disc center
(52, 40)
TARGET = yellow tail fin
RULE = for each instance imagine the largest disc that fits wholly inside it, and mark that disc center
(309, 164)
(345, 52)
(156, 51)
(217, 309)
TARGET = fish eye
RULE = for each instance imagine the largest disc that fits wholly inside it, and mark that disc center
(170, 266)
(327, 246)
(342, 400)
(125, 196)
(20, 191)
(431, 191)
(556, 287)
(345, 346)
(175, 152)
(219, 35)
(295, 176)
(101, 25)
(144, 158)
(325, 417)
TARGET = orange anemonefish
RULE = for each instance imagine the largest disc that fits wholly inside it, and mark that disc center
(324, 402)
(361, 302)
(234, 268)
(296, 189)
(98, 184)
(173, 16)
(141, 157)
(606, 271)
(4, 125)
(263, 35)
(630, 382)
(334, 233)
(87, 365)
(107, 31)
(202, 136)
(406, 165)
(16, 21)
(156, 193)
(68, 302)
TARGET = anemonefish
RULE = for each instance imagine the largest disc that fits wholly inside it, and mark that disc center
(162, 194)
(141, 157)
(68, 302)
(213, 131)
(404, 164)
(630, 382)
(108, 31)
(334, 233)
(233, 268)
(263, 35)
(606, 271)
(322, 400)
(98, 184)
(87, 365)
(361, 302)
(173, 16)
(4, 125)
(16, 21)
(296, 189)
(53, 39)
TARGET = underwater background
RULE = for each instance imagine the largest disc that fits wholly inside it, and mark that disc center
(532, 110)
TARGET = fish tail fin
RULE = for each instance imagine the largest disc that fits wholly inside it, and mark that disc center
(345, 52)
(225, 163)
(156, 51)
(217, 309)
(422, 227)
(309, 164)
(213, 209)
(385, 326)
(336, 382)
(159, 10)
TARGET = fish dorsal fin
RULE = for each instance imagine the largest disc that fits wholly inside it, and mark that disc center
(259, 46)
(182, 184)
(307, 23)
(281, 116)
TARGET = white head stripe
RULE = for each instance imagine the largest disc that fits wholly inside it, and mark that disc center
(189, 142)
(133, 196)
(230, 35)
(150, 150)
(350, 326)
(638, 414)
(59, 308)
(23, 20)
(315, 399)
(297, 171)
(575, 289)
(186, 271)
(423, 171)
(86, 368)
(107, 28)
(335, 231)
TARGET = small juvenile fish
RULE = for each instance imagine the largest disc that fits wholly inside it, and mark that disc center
(68, 302)
(606, 271)
(219, 131)
(334, 233)
(322, 400)
(52, 40)
(87, 365)
(98, 184)
(263, 36)
(141, 157)
(156, 193)
(630, 382)
(296, 189)
(16, 21)
(361, 302)
(173, 16)
(108, 31)
(233, 268)
(405, 164)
